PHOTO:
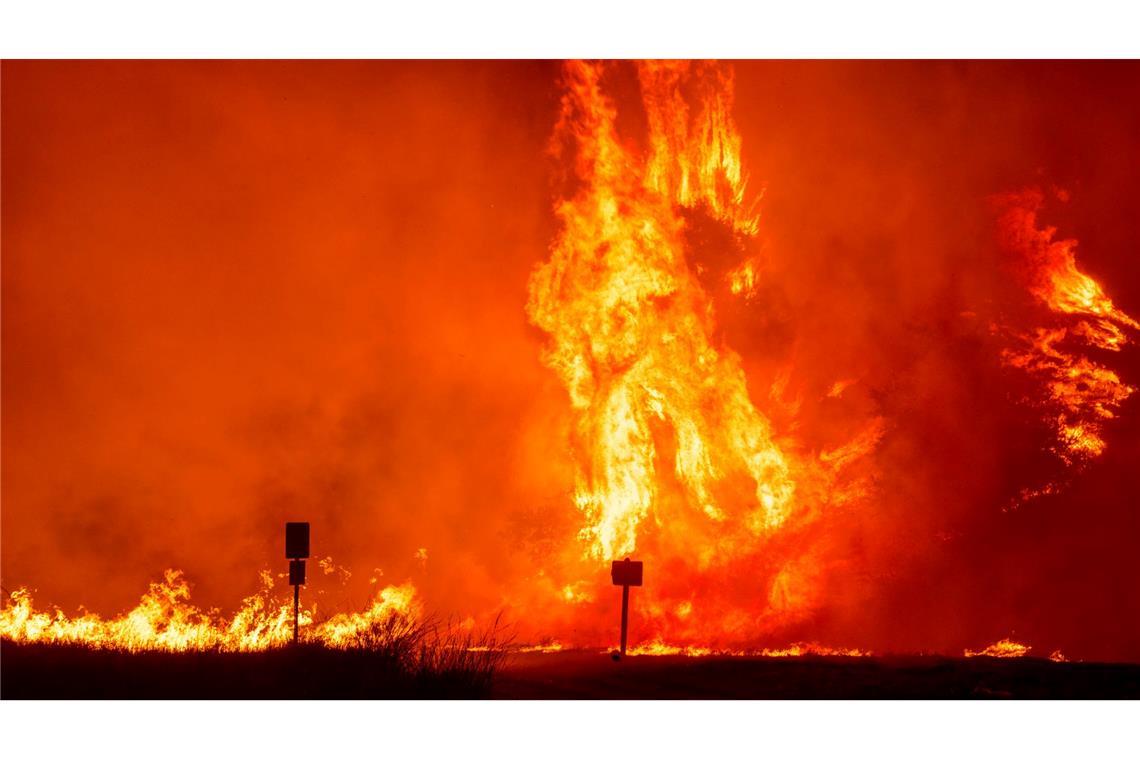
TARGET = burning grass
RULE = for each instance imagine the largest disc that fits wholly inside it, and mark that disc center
(394, 658)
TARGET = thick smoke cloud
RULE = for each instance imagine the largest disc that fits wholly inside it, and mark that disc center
(240, 293)
(884, 262)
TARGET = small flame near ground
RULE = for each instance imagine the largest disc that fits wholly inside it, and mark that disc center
(799, 649)
(1004, 648)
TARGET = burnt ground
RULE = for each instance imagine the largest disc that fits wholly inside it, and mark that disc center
(580, 675)
(51, 671)
(68, 672)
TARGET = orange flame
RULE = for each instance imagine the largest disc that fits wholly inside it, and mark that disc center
(1003, 648)
(799, 649)
(813, 649)
(1079, 394)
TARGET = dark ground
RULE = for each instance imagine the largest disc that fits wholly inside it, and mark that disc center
(44, 671)
(579, 675)
(54, 672)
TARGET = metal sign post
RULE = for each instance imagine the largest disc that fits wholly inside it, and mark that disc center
(625, 574)
(296, 551)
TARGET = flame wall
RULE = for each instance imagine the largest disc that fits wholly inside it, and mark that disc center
(240, 293)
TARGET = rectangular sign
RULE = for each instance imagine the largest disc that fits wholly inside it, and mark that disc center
(296, 540)
(297, 572)
(626, 573)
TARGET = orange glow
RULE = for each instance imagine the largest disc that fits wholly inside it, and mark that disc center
(489, 325)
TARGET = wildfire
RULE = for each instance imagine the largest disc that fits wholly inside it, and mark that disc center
(553, 646)
(799, 649)
(165, 619)
(680, 458)
(813, 650)
(674, 457)
(1079, 394)
(632, 330)
(658, 648)
(1003, 648)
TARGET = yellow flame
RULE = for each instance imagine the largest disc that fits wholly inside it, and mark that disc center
(799, 649)
(1003, 648)
(631, 328)
(554, 646)
(165, 619)
(812, 649)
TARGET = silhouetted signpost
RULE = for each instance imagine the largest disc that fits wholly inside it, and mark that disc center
(625, 573)
(296, 551)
